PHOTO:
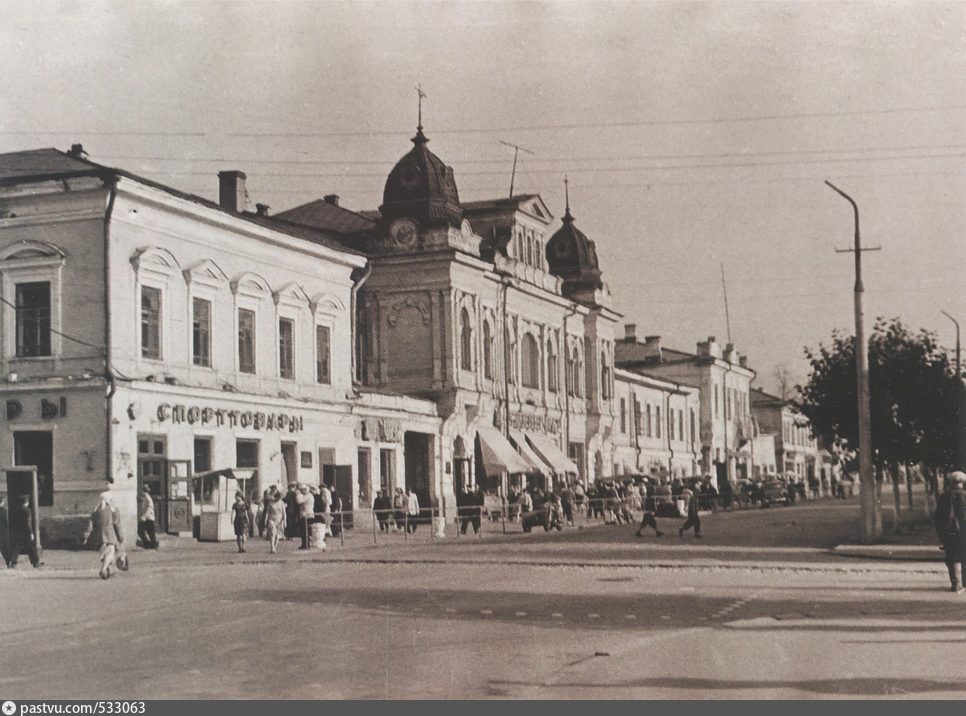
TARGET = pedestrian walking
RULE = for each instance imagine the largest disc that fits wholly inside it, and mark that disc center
(950, 522)
(648, 504)
(146, 531)
(694, 519)
(274, 521)
(22, 521)
(240, 520)
(105, 533)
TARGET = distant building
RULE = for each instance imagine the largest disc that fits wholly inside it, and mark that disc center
(797, 452)
(656, 430)
(723, 379)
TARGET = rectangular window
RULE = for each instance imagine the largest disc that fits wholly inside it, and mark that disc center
(680, 425)
(150, 322)
(33, 319)
(202, 454)
(657, 421)
(693, 426)
(387, 469)
(246, 340)
(623, 415)
(717, 402)
(201, 332)
(286, 348)
(650, 426)
(323, 373)
(246, 454)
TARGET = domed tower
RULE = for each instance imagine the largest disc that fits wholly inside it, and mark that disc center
(420, 189)
(573, 257)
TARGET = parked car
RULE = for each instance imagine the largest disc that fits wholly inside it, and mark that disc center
(773, 492)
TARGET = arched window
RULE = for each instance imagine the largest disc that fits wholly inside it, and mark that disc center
(551, 368)
(466, 341)
(531, 362)
(487, 351)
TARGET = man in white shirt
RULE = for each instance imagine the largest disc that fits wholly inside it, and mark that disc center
(412, 510)
(146, 519)
(306, 504)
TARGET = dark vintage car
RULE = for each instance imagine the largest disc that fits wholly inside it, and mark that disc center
(773, 492)
(546, 517)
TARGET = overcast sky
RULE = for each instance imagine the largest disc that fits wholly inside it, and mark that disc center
(693, 133)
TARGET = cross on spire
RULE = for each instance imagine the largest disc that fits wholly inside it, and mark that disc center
(422, 96)
(567, 215)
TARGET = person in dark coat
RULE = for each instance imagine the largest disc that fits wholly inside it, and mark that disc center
(4, 531)
(291, 511)
(22, 521)
(950, 522)
(382, 506)
(694, 520)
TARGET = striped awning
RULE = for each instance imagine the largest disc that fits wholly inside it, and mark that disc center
(498, 454)
(551, 454)
(527, 453)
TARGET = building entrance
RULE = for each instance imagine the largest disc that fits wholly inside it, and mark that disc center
(152, 471)
(417, 447)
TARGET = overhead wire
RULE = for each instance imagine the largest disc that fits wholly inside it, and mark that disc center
(621, 124)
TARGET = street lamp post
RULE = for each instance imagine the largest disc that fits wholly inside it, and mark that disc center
(961, 399)
(871, 527)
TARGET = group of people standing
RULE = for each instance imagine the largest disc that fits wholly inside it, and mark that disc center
(278, 516)
(400, 511)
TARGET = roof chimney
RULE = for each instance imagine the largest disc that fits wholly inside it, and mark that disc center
(232, 194)
(261, 209)
(630, 332)
(77, 151)
(331, 199)
(743, 361)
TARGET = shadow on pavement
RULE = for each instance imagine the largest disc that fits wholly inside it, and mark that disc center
(842, 687)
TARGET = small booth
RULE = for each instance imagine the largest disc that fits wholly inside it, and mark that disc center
(215, 493)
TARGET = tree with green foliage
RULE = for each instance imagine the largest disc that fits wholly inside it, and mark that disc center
(913, 390)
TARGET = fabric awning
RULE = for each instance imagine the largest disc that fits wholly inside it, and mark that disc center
(527, 453)
(551, 454)
(498, 454)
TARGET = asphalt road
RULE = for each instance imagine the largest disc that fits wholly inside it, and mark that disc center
(449, 621)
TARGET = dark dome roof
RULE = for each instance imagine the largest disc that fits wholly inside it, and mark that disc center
(422, 187)
(572, 256)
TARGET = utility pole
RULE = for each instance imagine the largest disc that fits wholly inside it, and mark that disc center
(516, 153)
(871, 525)
(961, 399)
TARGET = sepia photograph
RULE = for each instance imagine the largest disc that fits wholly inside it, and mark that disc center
(513, 350)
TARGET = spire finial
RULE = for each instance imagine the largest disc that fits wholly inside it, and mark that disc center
(421, 95)
(420, 138)
(567, 215)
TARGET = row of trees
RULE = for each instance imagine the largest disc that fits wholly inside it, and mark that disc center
(916, 399)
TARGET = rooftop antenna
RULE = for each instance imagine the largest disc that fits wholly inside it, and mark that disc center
(724, 290)
(567, 196)
(516, 152)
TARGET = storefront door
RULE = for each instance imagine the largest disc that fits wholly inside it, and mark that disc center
(417, 466)
(152, 454)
